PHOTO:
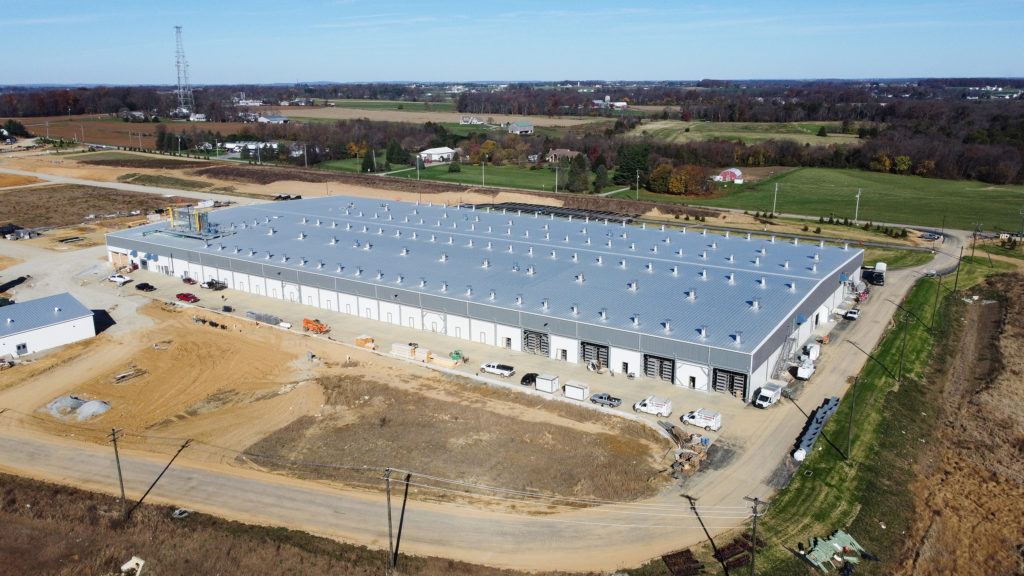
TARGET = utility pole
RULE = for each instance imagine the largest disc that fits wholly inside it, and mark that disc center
(853, 407)
(974, 237)
(391, 540)
(1021, 212)
(776, 198)
(753, 549)
(856, 210)
(556, 177)
(956, 281)
(906, 323)
(638, 184)
(117, 459)
(483, 171)
(935, 306)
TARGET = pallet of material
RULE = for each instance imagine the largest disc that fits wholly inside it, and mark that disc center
(443, 361)
(422, 355)
(365, 342)
(403, 350)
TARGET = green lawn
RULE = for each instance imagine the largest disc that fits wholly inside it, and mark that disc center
(746, 132)
(346, 165)
(503, 176)
(911, 200)
(448, 106)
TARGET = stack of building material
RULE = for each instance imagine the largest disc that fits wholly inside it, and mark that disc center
(402, 350)
(422, 354)
(443, 362)
(365, 341)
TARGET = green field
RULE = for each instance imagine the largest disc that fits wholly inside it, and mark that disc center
(678, 131)
(346, 165)
(447, 106)
(910, 200)
(502, 176)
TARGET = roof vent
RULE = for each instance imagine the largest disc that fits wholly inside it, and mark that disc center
(821, 243)
(575, 257)
(413, 235)
(679, 252)
(268, 256)
(334, 240)
(340, 268)
(684, 230)
(510, 249)
(56, 308)
(668, 239)
(444, 286)
(359, 271)
(692, 294)
(756, 304)
(491, 297)
(10, 320)
(334, 224)
(469, 290)
(348, 226)
(444, 256)
(600, 260)
(650, 267)
(284, 258)
(270, 232)
(398, 233)
(380, 274)
(814, 268)
(237, 249)
(667, 324)
(554, 255)
(433, 238)
(423, 282)
(786, 264)
(654, 249)
(566, 238)
(704, 274)
(487, 263)
(714, 245)
(451, 241)
(726, 233)
(608, 243)
(302, 261)
(544, 304)
(317, 221)
(252, 252)
(772, 240)
(470, 242)
(739, 338)
(792, 286)
(529, 270)
(675, 270)
(643, 226)
(704, 331)
(846, 245)
(622, 264)
(732, 277)
(763, 251)
(748, 235)
(731, 258)
(704, 232)
(603, 314)
(405, 251)
(633, 285)
(400, 279)
(632, 245)
(579, 278)
(796, 241)
(636, 320)
(757, 261)
(529, 251)
(575, 309)
(519, 299)
(304, 220)
(704, 255)
(526, 234)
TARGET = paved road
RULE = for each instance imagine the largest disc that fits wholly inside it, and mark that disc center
(751, 446)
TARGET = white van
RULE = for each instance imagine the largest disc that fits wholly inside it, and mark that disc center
(654, 405)
(704, 418)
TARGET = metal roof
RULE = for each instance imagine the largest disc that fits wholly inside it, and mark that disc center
(667, 282)
(40, 313)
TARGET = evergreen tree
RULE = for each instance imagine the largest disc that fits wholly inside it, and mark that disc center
(368, 164)
(396, 154)
(632, 160)
(578, 179)
(600, 179)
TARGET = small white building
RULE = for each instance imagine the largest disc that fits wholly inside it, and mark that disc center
(44, 323)
(273, 119)
(443, 154)
(521, 127)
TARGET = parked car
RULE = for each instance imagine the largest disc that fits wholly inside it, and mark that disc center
(119, 279)
(852, 314)
(145, 287)
(214, 285)
(529, 379)
(186, 297)
(606, 399)
(502, 370)
(188, 280)
(930, 236)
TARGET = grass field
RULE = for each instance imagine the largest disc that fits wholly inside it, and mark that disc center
(747, 132)
(503, 176)
(910, 200)
(448, 106)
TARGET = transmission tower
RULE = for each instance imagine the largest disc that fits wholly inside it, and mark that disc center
(186, 104)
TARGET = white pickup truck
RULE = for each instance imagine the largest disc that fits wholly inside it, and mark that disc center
(502, 370)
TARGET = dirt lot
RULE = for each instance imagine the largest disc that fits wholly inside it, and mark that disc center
(67, 204)
(101, 129)
(971, 489)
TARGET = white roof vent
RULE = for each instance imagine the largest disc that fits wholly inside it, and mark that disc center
(469, 290)
(492, 296)
(732, 277)
(714, 245)
(633, 285)
(444, 286)
(650, 267)
(56, 308)
(529, 251)
(756, 304)
(667, 324)
(622, 264)
(302, 261)
(510, 249)
(704, 255)
(731, 258)
(575, 257)
(792, 286)
(603, 314)
(772, 240)
(405, 251)
(304, 220)
(600, 260)
(632, 245)
(334, 240)
(470, 242)
(554, 255)
(579, 278)
(340, 268)
(575, 309)
(763, 251)
(488, 246)
(726, 233)
(423, 282)
(317, 221)
(636, 320)
(692, 294)
(268, 256)
(704, 274)
(846, 245)
(529, 270)
(786, 264)
(252, 252)
(821, 244)
(519, 299)
(544, 304)
(814, 268)
(270, 232)
(400, 279)
(444, 256)
(796, 241)
(380, 230)
(284, 258)
(704, 331)
(679, 252)
(739, 338)
(655, 249)
(380, 274)
(704, 232)
(757, 261)
(748, 235)
(359, 271)
(487, 263)
(764, 282)
(675, 270)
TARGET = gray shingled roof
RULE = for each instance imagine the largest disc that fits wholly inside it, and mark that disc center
(39, 313)
(627, 271)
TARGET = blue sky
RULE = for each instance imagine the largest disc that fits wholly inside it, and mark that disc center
(257, 41)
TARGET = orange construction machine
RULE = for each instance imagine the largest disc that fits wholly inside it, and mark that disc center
(314, 326)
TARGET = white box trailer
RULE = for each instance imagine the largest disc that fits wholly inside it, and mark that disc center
(547, 383)
(577, 390)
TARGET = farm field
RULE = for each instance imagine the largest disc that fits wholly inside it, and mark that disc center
(678, 131)
(503, 176)
(397, 105)
(304, 113)
(101, 129)
(910, 200)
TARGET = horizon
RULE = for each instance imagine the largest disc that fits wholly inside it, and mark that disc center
(362, 42)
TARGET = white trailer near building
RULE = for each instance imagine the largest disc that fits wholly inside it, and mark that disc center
(577, 390)
(547, 383)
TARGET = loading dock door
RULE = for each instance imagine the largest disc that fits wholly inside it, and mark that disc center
(658, 367)
(733, 383)
(536, 343)
(594, 353)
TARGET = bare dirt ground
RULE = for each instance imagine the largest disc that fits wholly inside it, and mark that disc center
(971, 489)
(63, 205)
(420, 117)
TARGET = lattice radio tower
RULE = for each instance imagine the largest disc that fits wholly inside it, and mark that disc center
(186, 103)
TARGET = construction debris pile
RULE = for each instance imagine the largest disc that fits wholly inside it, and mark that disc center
(693, 449)
(838, 552)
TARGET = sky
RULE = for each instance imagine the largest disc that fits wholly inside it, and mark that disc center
(261, 42)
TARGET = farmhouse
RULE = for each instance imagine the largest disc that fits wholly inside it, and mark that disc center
(559, 154)
(521, 127)
(44, 323)
(712, 312)
(730, 175)
(443, 154)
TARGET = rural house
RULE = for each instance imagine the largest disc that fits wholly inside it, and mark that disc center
(558, 154)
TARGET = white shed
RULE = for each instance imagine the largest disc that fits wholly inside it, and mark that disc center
(44, 323)
(443, 154)
(547, 383)
(577, 390)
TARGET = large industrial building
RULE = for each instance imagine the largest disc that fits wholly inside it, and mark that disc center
(709, 311)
